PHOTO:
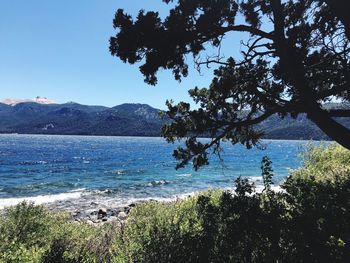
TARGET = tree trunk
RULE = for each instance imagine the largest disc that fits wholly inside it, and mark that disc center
(295, 70)
(329, 126)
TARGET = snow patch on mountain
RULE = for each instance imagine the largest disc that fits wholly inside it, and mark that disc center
(38, 99)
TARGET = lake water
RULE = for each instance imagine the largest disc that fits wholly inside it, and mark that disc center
(74, 171)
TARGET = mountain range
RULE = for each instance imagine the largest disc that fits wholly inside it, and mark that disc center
(42, 116)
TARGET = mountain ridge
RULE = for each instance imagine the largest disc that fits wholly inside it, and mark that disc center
(38, 99)
(127, 119)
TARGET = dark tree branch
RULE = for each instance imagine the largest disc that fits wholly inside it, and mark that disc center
(340, 8)
(330, 127)
(296, 75)
(244, 28)
(339, 113)
(335, 90)
(224, 133)
(302, 62)
(212, 61)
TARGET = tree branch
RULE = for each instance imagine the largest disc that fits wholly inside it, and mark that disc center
(332, 92)
(339, 113)
(340, 9)
(207, 62)
(249, 29)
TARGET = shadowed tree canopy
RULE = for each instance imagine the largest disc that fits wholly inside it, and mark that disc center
(295, 58)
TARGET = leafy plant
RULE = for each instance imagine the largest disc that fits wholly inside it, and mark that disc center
(266, 173)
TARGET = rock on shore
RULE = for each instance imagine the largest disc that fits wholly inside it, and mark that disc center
(102, 214)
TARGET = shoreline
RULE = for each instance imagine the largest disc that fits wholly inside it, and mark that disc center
(89, 208)
(98, 211)
(139, 136)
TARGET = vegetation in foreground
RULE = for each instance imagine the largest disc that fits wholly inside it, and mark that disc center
(309, 221)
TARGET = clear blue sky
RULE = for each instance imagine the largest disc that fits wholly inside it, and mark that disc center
(59, 49)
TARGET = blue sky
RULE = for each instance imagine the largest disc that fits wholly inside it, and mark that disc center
(59, 49)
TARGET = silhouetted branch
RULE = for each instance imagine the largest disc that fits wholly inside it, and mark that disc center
(339, 113)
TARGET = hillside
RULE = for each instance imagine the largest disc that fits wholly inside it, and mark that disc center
(123, 120)
(74, 118)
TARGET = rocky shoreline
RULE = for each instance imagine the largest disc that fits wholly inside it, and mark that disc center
(93, 214)
(102, 215)
(94, 210)
(97, 212)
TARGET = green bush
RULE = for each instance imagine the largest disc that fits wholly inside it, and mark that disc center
(215, 226)
(323, 163)
(318, 196)
(24, 233)
(29, 233)
(307, 222)
(210, 227)
(162, 231)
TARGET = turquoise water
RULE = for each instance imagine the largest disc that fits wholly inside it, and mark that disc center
(50, 168)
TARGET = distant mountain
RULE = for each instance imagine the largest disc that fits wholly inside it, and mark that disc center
(35, 117)
(38, 99)
(74, 118)
(301, 127)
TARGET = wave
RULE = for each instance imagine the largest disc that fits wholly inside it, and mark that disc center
(120, 172)
(101, 192)
(259, 184)
(184, 175)
(83, 199)
(275, 188)
(255, 179)
(41, 199)
(125, 171)
(123, 202)
(30, 188)
(32, 162)
(160, 182)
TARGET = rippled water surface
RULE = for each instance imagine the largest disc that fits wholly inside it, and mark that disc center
(52, 168)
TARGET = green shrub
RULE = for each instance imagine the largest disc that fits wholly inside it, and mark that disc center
(165, 232)
(308, 222)
(29, 233)
(69, 244)
(323, 162)
(318, 196)
(24, 233)
(26, 224)
(210, 227)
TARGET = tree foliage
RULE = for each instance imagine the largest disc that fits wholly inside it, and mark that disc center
(295, 58)
(266, 172)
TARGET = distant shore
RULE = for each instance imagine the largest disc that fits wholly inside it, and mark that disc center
(146, 136)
